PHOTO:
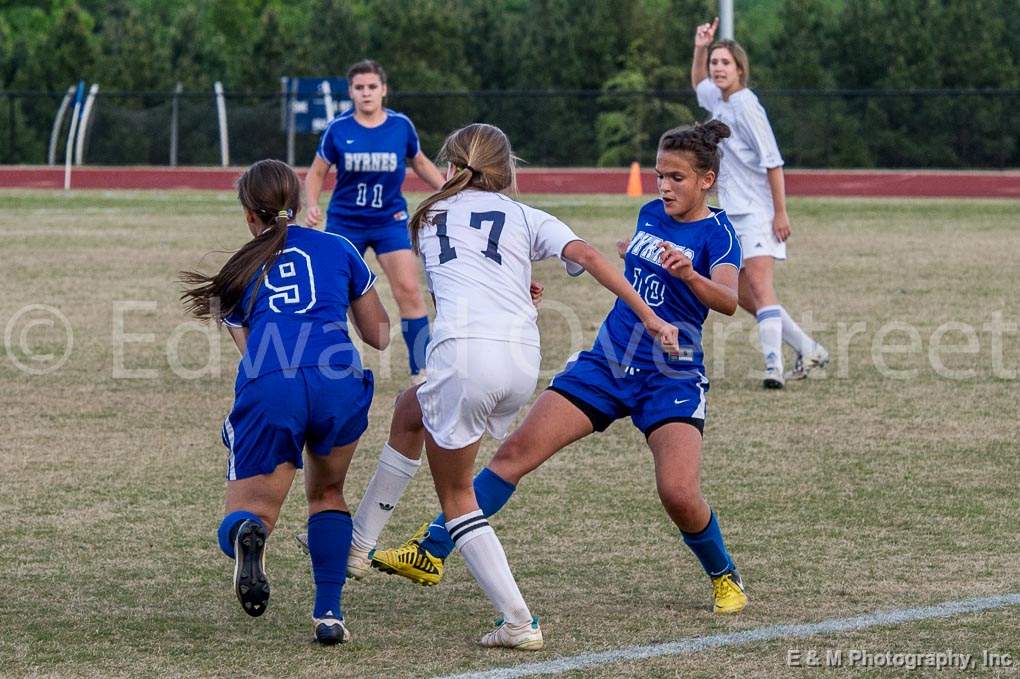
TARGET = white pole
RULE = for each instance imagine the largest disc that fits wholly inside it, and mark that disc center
(72, 129)
(726, 19)
(327, 99)
(221, 112)
(51, 156)
(175, 106)
(79, 147)
(291, 114)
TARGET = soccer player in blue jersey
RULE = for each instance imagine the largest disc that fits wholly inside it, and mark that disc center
(371, 147)
(683, 259)
(285, 297)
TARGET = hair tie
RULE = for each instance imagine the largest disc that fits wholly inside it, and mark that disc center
(288, 213)
(471, 169)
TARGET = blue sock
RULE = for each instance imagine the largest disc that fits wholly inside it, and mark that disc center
(416, 337)
(228, 529)
(491, 491)
(710, 549)
(329, 542)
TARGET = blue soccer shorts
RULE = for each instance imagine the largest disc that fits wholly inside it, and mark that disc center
(606, 392)
(276, 414)
(382, 239)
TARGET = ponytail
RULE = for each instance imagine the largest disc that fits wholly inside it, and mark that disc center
(484, 160)
(272, 192)
(454, 185)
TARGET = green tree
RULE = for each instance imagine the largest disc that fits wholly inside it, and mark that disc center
(815, 131)
(631, 124)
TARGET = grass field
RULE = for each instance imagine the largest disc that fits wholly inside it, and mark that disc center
(889, 483)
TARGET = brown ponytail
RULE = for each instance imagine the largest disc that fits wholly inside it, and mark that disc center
(484, 160)
(272, 191)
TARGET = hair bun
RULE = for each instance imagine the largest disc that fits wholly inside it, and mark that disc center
(714, 131)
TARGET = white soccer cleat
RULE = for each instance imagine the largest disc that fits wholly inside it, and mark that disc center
(816, 358)
(526, 637)
(773, 378)
(359, 563)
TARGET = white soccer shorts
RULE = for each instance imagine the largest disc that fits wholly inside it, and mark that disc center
(756, 237)
(476, 386)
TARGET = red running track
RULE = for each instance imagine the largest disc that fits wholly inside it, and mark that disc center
(863, 183)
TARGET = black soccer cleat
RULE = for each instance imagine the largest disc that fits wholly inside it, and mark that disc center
(250, 583)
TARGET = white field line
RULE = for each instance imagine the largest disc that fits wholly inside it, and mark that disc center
(695, 644)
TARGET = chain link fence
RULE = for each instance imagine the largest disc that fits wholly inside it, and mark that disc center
(828, 129)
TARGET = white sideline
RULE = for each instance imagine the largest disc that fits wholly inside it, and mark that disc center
(695, 644)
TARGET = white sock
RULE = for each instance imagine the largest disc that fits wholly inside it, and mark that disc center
(383, 493)
(770, 330)
(487, 562)
(794, 336)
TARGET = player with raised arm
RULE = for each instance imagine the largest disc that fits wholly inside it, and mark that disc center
(683, 260)
(372, 147)
(753, 193)
(483, 362)
(285, 297)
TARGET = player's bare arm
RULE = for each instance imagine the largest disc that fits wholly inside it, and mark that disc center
(781, 220)
(703, 37)
(313, 189)
(610, 278)
(370, 320)
(427, 170)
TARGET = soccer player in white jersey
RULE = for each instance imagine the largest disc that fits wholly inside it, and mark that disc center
(753, 193)
(483, 360)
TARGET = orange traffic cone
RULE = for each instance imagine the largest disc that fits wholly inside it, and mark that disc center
(634, 180)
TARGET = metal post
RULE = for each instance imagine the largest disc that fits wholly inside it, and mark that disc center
(221, 113)
(291, 120)
(175, 106)
(327, 100)
(72, 129)
(79, 147)
(51, 155)
(726, 19)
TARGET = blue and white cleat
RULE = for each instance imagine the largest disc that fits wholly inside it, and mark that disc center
(330, 630)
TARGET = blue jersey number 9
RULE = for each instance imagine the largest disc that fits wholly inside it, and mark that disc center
(292, 281)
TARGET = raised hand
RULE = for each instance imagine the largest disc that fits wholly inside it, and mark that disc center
(705, 33)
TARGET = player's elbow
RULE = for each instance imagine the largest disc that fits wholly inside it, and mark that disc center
(582, 254)
(727, 305)
(378, 335)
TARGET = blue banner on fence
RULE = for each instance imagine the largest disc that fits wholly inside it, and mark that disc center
(314, 101)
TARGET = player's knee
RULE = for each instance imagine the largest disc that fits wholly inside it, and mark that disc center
(325, 496)
(509, 462)
(680, 500)
(406, 291)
